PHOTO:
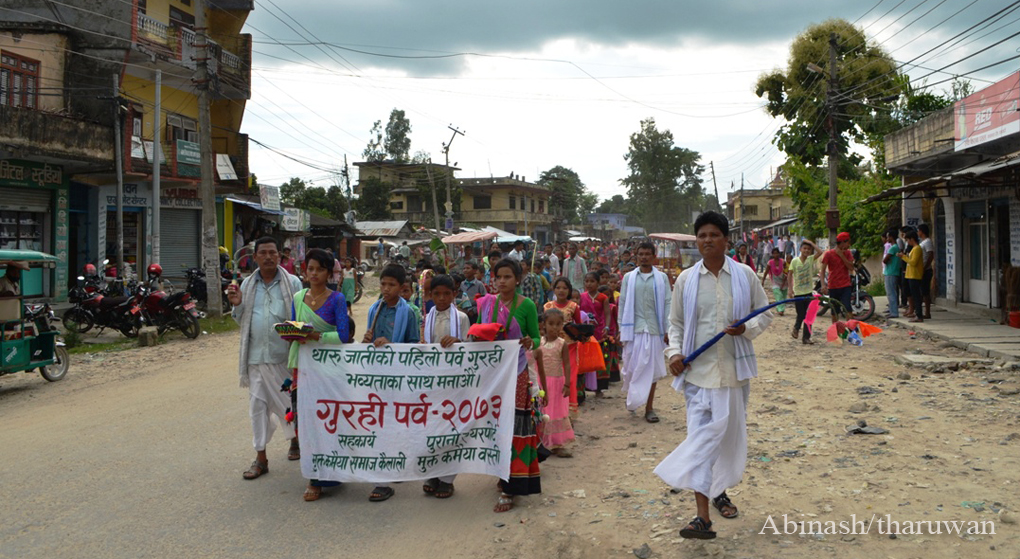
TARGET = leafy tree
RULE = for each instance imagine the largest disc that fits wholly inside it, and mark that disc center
(868, 84)
(615, 205)
(291, 190)
(398, 140)
(374, 201)
(374, 151)
(567, 194)
(664, 184)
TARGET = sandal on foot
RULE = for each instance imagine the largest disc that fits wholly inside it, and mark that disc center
(651, 417)
(380, 494)
(444, 490)
(295, 450)
(726, 507)
(563, 453)
(312, 493)
(257, 469)
(429, 487)
(505, 503)
(698, 529)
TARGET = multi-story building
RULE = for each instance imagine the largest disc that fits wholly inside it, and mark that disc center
(511, 204)
(749, 210)
(57, 107)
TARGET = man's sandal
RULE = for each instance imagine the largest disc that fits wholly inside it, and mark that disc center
(429, 487)
(380, 494)
(698, 529)
(726, 507)
(444, 490)
(505, 503)
(295, 450)
(257, 469)
(651, 417)
(312, 493)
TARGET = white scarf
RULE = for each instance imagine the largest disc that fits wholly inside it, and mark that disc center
(660, 286)
(248, 303)
(430, 324)
(747, 363)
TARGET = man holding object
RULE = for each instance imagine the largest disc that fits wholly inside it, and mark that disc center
(707, 298)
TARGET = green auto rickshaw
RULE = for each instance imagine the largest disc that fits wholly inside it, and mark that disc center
(28, 338)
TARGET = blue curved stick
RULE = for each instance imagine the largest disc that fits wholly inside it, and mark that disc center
(704, 347)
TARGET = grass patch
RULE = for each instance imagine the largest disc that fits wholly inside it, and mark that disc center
(876, 289)
(120, 345)
(218, 325)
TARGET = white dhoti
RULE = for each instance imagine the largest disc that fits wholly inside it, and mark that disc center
(713, 457)
(266, 400)
(643, 365)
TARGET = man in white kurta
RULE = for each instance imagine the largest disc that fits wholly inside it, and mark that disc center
(717, 383)
(642, 313)
(263, 299)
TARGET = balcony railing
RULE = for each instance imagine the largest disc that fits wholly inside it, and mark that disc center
(156, 33)
(178, 44)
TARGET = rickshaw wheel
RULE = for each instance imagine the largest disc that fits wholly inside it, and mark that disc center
(61, 363)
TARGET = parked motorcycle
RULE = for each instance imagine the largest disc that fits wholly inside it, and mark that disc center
(862, 305)
(95, 309)
(197, 288)
(166, 312)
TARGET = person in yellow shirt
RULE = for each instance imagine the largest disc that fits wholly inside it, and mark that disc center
(914, 259)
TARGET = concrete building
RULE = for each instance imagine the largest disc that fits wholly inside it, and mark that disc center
(753, 209)
(57, 126)
(961, 175)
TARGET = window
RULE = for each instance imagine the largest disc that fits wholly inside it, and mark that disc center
(541, 206)
(532, 205)
(181, 19)
(751, 210)
(19, 77)
(181, 128)
(414, 204)
(397, 205)
(483, 202)
(513, 203)
(136, 126)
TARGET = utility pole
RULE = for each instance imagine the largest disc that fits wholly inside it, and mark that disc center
(711, 165)
(118, 156)
(741, 204)
(210, 254)
(449, 198)
(157, 170)
(832, 214)
(432, 187)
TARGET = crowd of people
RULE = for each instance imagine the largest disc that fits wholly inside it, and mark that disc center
(559, 301)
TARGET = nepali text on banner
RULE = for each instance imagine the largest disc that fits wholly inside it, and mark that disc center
(405, 412)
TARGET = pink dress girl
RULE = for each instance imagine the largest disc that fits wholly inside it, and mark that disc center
(558, 431)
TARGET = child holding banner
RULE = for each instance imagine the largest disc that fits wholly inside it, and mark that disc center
(326, 311)
(390, 320)
(553, 359)
(519, 318)
(444, 325)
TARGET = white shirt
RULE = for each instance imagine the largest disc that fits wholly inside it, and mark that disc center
(716, 368)
(441, 327)
(554, 261)
(928, 247)
(515, 255)
(645, 318)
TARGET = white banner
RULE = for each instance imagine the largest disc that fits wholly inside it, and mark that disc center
(406, 412)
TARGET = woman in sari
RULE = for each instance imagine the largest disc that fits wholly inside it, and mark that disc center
(519, 318)
(326, 311)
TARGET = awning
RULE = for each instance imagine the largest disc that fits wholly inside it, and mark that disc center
(469, 237)
(942, 181)
(254, 205)
(513, 239)
(499, 232)
(675, 237)
(779, 223)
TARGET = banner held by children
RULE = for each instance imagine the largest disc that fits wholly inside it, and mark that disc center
(406, 412)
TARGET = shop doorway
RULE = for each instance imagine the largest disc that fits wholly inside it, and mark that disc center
(975, 231)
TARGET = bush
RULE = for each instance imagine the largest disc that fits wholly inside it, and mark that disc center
(72, 337)
(876, 288)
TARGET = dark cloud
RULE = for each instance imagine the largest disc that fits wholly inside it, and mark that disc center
(525, 25)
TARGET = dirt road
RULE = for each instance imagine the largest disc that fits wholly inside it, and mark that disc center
(140, 454)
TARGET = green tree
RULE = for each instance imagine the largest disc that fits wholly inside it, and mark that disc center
(868, 85)
(374, 201)
(615, 205)
(664, 184)
(569, 199)
(374, 151)
(398, 137)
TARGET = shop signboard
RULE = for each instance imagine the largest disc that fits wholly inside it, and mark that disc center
(188, 153)
(989, 114)
(30, 174)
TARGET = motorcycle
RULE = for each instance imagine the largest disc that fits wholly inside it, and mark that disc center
(862, 305)
(95, 309)
(197, 288)
(166, 312)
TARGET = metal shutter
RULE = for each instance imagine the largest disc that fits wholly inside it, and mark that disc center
(179, 241)
(25, 199)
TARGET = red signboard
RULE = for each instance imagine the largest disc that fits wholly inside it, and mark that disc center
(989, 114)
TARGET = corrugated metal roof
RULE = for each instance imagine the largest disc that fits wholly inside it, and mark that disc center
(380, 228)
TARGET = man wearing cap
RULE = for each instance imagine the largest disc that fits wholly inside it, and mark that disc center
(10, 283)
(839, 262)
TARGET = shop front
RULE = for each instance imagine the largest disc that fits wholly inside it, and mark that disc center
(180, 228)
(34, 214)
(137, 202)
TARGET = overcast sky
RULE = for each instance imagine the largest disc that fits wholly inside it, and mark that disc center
(534, 84)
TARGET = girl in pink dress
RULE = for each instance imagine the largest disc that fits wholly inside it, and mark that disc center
(553, 360)
(597, 305)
